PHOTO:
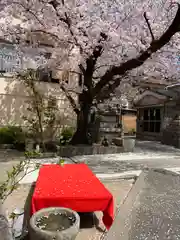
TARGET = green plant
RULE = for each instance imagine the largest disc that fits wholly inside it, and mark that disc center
(45, 109)
(13, 176)
(13, 179)
(66, 135)
(13, 135)
(132, 131)
(61, 162)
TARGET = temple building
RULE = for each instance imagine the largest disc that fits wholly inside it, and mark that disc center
(158, 115)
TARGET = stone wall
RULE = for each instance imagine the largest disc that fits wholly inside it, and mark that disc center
(147, 136)
(171, 124)
(70, 151)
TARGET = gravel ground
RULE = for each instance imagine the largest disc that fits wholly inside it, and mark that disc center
(118, 188)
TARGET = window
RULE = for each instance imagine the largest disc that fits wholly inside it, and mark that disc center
(9, 62)
(152, 120)
(46, 76)
(12, 61)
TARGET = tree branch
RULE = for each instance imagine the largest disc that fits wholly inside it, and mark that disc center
(70, 98)
(88, 71)
(105, 65)
(27, 9)
(53, 35)
(90, 66)
(139, 60)
(108, 90)
(149, 26)
(67, 21)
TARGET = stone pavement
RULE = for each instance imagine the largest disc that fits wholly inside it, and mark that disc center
(147, 154)
(119, 189)
(152, 209)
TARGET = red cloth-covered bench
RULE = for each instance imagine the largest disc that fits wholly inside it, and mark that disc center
(72, 186)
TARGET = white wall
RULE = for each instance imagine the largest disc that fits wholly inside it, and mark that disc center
(13, 97)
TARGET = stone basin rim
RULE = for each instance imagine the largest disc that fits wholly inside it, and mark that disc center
(51, 210)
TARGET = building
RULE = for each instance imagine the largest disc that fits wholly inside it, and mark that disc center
(13, 94)
(158, 115)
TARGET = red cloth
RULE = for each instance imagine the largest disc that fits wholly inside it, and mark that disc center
(72, 186)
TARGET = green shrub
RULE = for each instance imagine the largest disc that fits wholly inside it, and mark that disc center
(13, 135)
(132, 131)
(66, 135)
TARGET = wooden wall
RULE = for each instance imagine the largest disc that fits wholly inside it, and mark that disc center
(129, 122)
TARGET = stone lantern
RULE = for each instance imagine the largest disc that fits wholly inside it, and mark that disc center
(111, 118)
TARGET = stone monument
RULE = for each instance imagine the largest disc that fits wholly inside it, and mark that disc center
(110, 126)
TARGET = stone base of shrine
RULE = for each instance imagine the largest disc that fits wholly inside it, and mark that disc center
(69, 151)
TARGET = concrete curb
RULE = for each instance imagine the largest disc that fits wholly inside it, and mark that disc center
(30, 178)
(129, 174)
(132, 195)
(124, 175)
(128, 156)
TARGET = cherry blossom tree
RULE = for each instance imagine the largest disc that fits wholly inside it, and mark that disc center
(105, 41)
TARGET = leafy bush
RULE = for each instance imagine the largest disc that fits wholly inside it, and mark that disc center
(132, 132)
(66, 135)
(46, 116)
(13, 135)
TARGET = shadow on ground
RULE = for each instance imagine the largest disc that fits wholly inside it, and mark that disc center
(87, 220)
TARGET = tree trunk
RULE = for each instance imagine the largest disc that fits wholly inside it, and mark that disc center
(81, 136)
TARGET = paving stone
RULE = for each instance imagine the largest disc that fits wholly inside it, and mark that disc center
(146, 154)
(119, 189)
(152, 209)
